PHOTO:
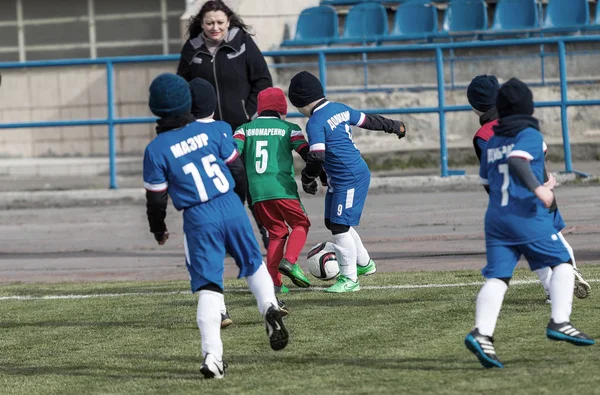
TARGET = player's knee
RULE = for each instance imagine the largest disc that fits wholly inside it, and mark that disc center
(211, 287)
(337, 229)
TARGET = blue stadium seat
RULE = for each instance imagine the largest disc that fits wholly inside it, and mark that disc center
(316, 26)
(465, 16)
(516, 15)
(566, 15)
(414, 19)
(365, 22)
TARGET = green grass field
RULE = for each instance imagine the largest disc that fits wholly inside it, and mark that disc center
(376, 341)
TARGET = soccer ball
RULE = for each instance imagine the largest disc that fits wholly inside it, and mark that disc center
(322, 262)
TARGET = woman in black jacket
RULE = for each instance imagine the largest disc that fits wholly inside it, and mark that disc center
(221, 51)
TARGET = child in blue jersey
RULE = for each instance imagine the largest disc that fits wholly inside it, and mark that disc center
(482, 93)
(348, 176)
(517, 223)
(190, 162)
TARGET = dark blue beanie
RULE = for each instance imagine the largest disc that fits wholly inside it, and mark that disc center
(514, 98)
(204, 98)
(482, 92)
(169, 96)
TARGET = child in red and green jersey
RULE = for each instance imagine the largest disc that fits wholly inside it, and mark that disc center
(266, 144)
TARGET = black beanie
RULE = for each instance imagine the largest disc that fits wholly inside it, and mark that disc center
(514, 98)
(204, 99)
(482, 92)
(304, 89)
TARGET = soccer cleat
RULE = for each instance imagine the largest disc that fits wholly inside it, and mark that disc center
(282, 289)
(278, 335)
(366, 270)
(344, 284)
(483, 348)
(212, 368)
(225, 320)
(283, 309)
(294, 272)
(582, 288)
(548, 300)
(567, 332)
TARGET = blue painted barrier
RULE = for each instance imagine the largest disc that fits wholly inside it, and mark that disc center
(322, 53)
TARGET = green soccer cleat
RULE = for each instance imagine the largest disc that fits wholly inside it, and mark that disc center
(344, 284)
(294, 272)
(366, 270)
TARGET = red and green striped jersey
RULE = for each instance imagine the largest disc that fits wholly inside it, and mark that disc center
(266, 145)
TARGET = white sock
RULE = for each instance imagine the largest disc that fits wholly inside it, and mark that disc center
(489, 303)
(561, 292)
(545, 276)
(346, 254)
(208, 318)
(362, 255)
(262, 288)
(223, 307)
(569, 248)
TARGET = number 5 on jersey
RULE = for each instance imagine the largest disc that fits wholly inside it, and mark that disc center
(213, 171)
(262, 156)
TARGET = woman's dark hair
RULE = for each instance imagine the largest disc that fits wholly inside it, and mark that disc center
(195, 26)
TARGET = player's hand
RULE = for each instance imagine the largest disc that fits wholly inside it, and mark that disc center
(545, 194)
(323, 178)
(309, 184)
(551, 183)
(399, 129)
(161, 237)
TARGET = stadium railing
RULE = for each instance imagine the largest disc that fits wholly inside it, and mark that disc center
(441, 109)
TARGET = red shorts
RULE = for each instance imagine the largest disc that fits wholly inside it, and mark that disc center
(275, 215)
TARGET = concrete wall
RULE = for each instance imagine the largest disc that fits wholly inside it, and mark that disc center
(80, 93)
(46, 94)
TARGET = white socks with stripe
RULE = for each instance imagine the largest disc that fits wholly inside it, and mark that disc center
(208, 318)
(261, 285)
(362, 255)
(489, 303)
(346, 254)
(545, 276)
(561, 292)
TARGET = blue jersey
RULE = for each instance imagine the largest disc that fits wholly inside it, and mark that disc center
(328, 129)
(191, 163)
(514, 215)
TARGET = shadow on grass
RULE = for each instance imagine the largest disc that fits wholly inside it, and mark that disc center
(316, 360)
(117, 372)
(90, 324)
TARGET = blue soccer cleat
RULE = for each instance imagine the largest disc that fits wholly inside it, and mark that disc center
(568, 333)
(483, 348)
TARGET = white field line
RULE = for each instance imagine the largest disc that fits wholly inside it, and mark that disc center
(245, 290)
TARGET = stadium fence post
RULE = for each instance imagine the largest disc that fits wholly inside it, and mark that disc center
(563, 106)
(323, 71)
(111, 125)
(439, 58)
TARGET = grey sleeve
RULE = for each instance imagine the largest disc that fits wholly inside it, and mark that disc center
(521, 169)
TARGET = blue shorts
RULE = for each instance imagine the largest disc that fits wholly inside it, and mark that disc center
(549, 251)
(344, 205)
(559, 222)
(210, 230)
